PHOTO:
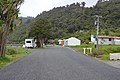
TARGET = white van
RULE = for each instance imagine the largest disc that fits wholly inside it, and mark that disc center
(30, 43)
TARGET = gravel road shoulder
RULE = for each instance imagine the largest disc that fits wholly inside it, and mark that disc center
(113, 63)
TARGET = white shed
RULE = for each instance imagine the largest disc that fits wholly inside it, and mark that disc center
(60, 41)
(72, 42)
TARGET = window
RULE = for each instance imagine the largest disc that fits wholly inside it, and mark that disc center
(28, 41)
(109, 39)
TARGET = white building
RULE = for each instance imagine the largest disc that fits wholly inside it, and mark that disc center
(72, 42)
(106, 40)
(92, 38)
(60, 41)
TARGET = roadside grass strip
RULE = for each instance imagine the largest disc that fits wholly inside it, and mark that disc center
(102, 53)
(12, 54)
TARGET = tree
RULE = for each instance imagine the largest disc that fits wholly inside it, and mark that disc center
(40, 30)
(99, 1)
(9, 10)
(83, 4)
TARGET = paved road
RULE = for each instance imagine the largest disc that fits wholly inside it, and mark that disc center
(58, 63)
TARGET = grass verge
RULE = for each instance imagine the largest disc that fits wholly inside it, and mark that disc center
(102, 53)
(12, 54)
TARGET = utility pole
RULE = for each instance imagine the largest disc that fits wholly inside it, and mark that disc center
(97, 22)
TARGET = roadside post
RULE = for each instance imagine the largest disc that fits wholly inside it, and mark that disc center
(87, 49)
(97, 22)
(84, 50)
(26, 50)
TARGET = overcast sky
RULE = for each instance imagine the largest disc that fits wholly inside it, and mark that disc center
(35, 7)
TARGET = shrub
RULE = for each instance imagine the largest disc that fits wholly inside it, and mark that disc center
(98, 52)
(104, 51)
(11, 51)
(115, 50)
(105, 57)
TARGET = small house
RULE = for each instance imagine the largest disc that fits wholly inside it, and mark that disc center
(61, 42)
(72, 42)
(108, 40)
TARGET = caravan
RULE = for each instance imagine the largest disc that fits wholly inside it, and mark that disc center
(30, 43)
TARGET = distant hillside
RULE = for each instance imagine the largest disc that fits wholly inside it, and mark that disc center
(21, 31)
(74, 17)
(110, 11)
(26, 20)
(77, 19)
(71, 18)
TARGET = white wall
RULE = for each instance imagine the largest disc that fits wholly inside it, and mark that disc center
(117, 41)
(92, 38)
(59, 41)
(105, 41)
(72, 41)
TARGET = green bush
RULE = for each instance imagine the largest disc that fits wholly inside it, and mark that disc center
(105, 57)
(111, 49)
(98, 52)
(115, 49)
(11, 51)
(104, 51)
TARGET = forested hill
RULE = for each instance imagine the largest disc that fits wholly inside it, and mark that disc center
(76, 17)
(77, 20)
(22, 31)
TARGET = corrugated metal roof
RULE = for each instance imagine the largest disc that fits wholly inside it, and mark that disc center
(116, 37)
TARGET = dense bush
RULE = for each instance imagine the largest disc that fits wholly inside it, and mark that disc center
(112, 49)
(104, 51)
(98, 52)
(11, 51)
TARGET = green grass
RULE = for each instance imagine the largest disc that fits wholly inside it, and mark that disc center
(103, 51)
(83, 46)
(13, 54)
(107, 49)
(4, 61)
(105, 57)
(80, 47)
